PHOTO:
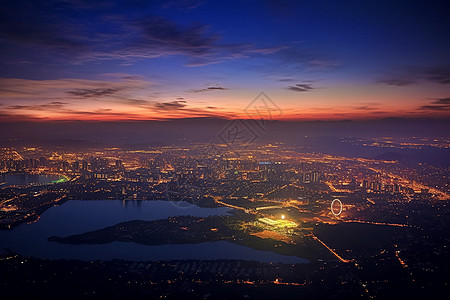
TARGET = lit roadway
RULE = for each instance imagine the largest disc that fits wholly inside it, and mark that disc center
(333, 189)
(216, 199)
(274, 190)
(331, 250)
(379, 223)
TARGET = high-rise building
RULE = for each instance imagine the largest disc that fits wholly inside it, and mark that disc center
(365, 184)
(315, 177)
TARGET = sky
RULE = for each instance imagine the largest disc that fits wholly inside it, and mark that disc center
(162, 60)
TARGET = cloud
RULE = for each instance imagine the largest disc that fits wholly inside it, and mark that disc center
(55, 105)
(163, 34)
(60, 111)
(412, 75)
(434, 107)
(66, 98)
(397, 81)
(439, 74)
(366, 107)
(173, 105)
(442, 101)
(300, 88)
(160, 37)
(300, 58)
(378, 112)
(16, 89)
(57, 31)
(94, 93)
(41, 23)
(209, 89)
(132, 98)
(142, 103)
(7, 117)
(61, 108)
(438, 104)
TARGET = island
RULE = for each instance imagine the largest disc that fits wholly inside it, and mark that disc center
(242, 229)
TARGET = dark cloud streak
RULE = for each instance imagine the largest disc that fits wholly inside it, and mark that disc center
(42, 24)
(397, 81)
(367, 108)
(173, 105)
(94, 93)
(412, 75)
(55, 105)
(438, 104)
(300, 88)
(209, 89)
(76, 32)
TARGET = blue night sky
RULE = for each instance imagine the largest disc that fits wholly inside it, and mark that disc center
(141, 60)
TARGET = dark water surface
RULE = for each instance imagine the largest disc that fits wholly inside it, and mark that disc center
(25, 179)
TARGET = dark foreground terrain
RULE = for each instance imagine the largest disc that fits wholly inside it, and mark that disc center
(31, 278)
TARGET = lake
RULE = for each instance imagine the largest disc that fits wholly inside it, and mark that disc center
(26, 178)
(77, 216)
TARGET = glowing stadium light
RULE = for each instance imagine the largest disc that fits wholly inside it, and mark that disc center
(282, 217)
